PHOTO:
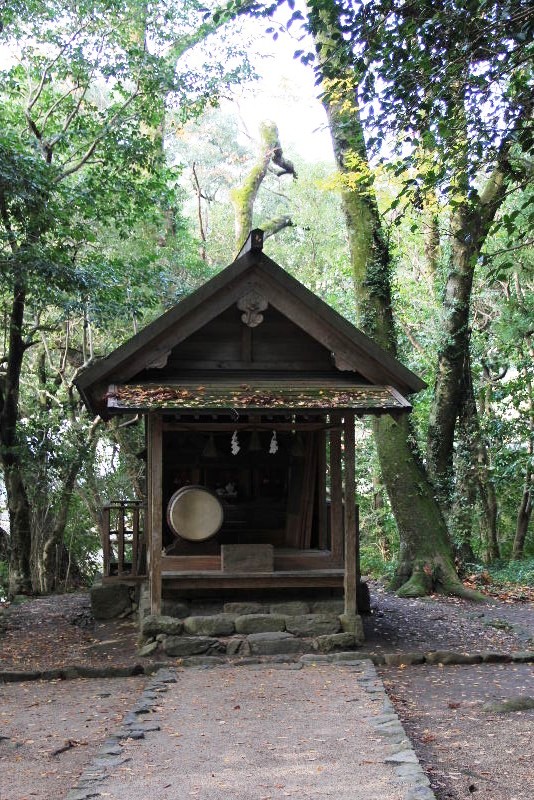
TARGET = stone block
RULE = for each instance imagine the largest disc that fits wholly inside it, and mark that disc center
(292, 608)
(247, 558)
(214, 625)
(313, 625)
(260, 623)
(174, 608)
(333, 605)
(110, 600)
(451, 657)
(399, 659)
(233, 646)
(148, 649)
(274, 642)
(243, 608)
(154, 624)
(334, 641)
(491, 657)
(352, 623)
(523, 657)
(191, 645)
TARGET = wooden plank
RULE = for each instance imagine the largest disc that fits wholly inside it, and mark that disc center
(135, 539)
(120, 540)
(308, 498)
(224, 427)
(267, 365)
(357, 530)
(106, 548)
(322, 523)
(305, 560)
(297, 494)
(155, 504)
(193, 563)
(332, 579)
(284, 559)
(246, 344)
(336, 495)
(351, 603)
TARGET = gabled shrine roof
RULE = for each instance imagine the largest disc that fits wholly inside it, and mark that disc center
(252, 274)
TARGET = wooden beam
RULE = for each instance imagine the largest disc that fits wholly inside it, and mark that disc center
(106, 545)
(135, 539)
(336, 495)
(223, 427)
(120, 540)
(322, 523)
(155, 509)
(351, 605)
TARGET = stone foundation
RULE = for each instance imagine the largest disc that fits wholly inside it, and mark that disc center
(246, 628)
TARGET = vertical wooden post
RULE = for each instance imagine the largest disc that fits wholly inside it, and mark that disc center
(106, 533)
(135, 538)
(155, 509)
(321, 492)
(120, 539)
(350, 619)
(336, 494)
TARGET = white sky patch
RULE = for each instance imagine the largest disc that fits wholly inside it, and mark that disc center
(286, 94)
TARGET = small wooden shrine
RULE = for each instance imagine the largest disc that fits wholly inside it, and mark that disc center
(249, 389)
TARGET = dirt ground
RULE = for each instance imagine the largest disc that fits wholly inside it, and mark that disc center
(50, 730)
(465, 750)
(258, 733)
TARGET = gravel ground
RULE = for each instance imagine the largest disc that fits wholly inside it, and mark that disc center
(459, 745)
(466, 750)
(38, 718)
(259, 733)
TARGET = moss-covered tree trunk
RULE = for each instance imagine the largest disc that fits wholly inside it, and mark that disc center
(244, 196)
(11, 453)
(426, 559)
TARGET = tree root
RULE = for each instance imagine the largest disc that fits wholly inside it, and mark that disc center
(429, 578)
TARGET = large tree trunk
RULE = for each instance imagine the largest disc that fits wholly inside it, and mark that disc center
(244, 197)
(426, 560)
(17, 498)
(524, 514)
(452, 357)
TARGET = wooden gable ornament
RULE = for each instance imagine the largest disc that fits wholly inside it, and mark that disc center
(251, 338)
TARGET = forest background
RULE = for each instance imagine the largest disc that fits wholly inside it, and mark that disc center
(130, 173)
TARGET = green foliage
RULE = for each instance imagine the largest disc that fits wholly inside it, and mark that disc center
(4, 579)
(519, 572)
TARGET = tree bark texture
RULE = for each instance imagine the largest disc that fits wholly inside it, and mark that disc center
(426, 561)
(244, 197)
(470, 224)
(524, 515)
(17, 498)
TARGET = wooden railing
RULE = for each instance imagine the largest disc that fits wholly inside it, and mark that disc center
(124, 542)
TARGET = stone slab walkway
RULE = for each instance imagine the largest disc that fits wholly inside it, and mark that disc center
(306, 730)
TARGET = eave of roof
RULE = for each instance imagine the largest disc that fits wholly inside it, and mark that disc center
(306, 396)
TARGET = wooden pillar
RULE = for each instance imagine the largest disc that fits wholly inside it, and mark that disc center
(135, 538)
(350, 619)
(322, 523)
(336, 493)
(120, 539)
(106, 544)
(155, 510)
